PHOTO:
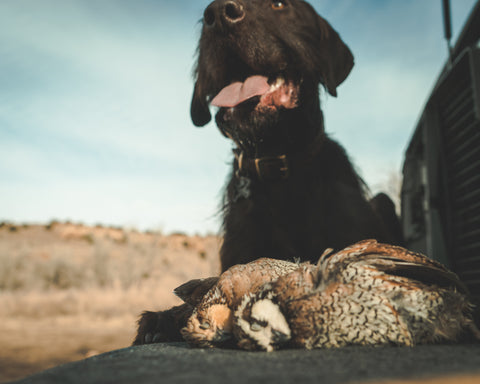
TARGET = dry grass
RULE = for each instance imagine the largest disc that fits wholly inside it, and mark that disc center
(69, 291)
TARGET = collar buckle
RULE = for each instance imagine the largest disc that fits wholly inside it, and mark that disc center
(272, 168)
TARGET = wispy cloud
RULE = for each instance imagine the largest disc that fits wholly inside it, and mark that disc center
(94, 105)
(399, 51)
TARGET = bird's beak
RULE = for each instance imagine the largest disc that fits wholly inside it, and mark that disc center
(221, 337)
(279, 337)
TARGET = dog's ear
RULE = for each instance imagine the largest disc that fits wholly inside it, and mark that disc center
(199, 111)
(336, 60)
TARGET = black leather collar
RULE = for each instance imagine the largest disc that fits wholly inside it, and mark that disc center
(268, 168)
(274, 168)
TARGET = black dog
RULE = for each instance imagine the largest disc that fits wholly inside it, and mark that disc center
(293, 191)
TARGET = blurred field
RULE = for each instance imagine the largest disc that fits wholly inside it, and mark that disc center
(71, 291)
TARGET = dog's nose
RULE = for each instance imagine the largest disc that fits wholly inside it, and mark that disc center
(223, 12)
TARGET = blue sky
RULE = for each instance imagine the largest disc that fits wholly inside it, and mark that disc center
(94, 105)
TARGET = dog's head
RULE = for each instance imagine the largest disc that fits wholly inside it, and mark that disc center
(265, 53)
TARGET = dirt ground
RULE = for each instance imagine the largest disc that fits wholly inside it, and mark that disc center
(69, 291)
(28, 347)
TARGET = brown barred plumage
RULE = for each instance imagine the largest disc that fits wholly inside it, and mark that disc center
(366, 294)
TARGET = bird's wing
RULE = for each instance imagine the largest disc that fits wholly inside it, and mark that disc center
(390, 259)
(425, 271)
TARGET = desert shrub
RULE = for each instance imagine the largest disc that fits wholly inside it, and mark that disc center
(33, 261)
(60, 273)
(122, 240)
(23, 272)
(178, 234)
(101, 268)
(13, 272)
(89, 238)
(51, 225)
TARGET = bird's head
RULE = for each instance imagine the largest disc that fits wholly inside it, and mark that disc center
(259, 323)
(209, 326)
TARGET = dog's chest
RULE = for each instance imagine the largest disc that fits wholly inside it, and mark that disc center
(242, 189)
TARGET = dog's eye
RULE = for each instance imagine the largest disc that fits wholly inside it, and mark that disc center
(277, 5)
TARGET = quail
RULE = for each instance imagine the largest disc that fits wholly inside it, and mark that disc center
(212, 319)
(366, 294)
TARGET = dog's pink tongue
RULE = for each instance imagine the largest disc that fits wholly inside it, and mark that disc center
(238, 92)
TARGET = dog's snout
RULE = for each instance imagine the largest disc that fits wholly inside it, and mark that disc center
(224, 13)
